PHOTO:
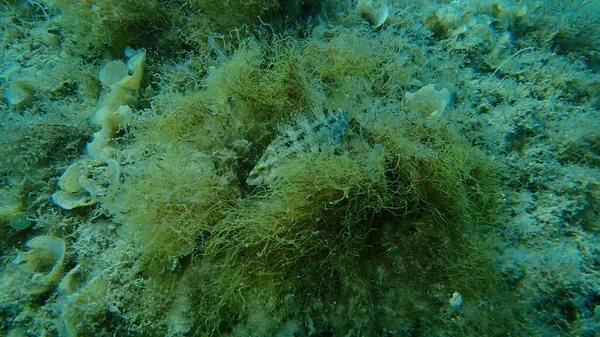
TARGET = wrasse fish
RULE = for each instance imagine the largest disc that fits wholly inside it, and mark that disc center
(318, 131)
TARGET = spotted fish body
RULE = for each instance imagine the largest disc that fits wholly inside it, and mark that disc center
(318, 131)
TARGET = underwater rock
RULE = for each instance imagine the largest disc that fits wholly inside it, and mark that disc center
(456, 301)
(316, 132)
(42, 265)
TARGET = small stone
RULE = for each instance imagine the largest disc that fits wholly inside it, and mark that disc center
(456, 301)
